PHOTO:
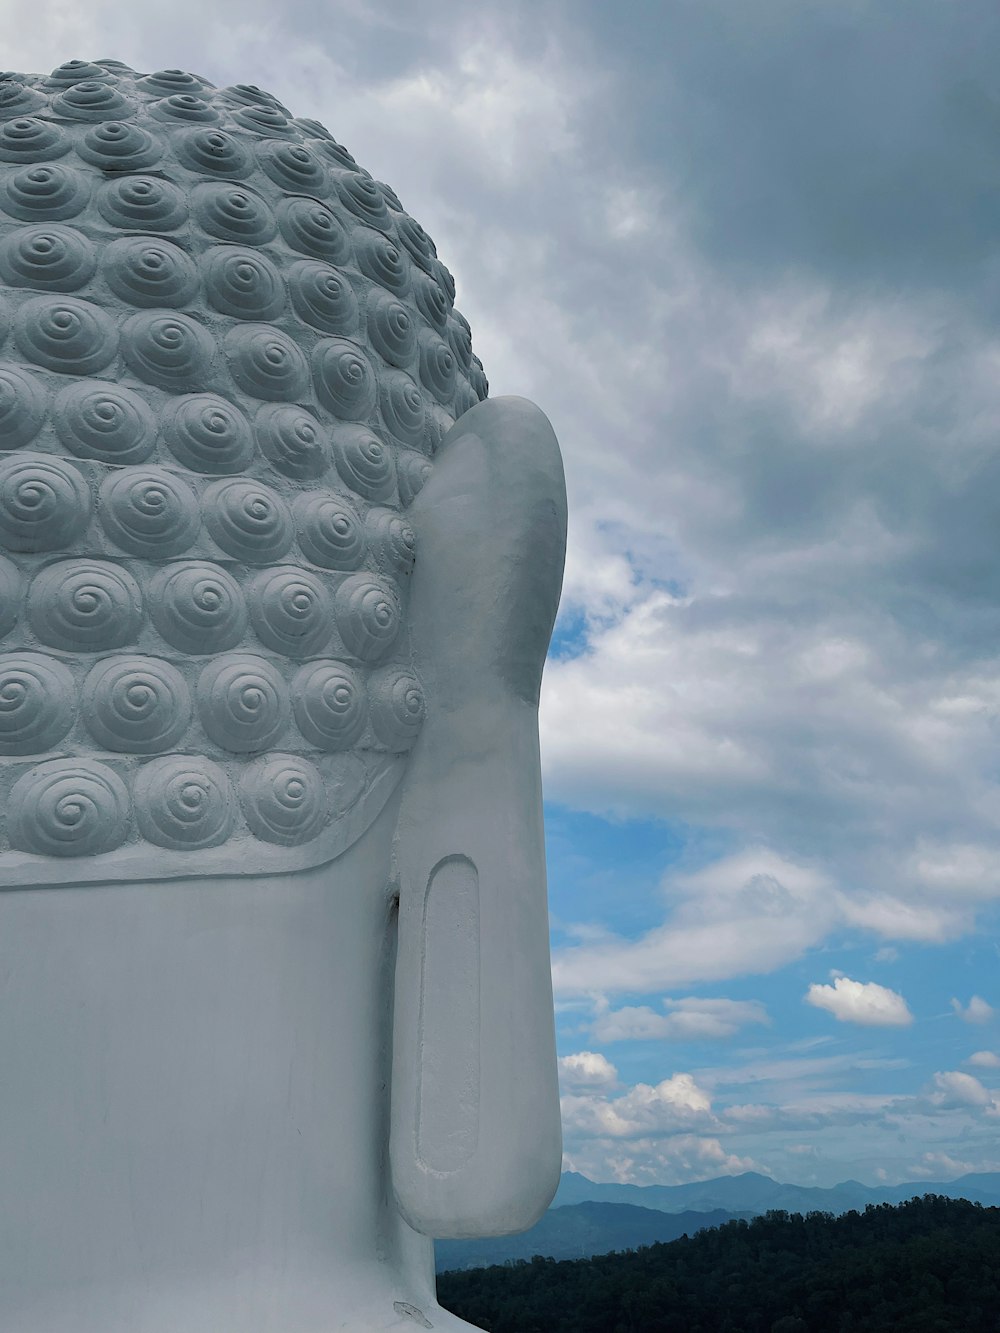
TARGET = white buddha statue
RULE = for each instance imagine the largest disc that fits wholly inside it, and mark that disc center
(276, 585)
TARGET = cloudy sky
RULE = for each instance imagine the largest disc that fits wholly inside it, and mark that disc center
(746, 255)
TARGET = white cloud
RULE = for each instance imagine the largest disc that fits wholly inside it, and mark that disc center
(674, 1104)
(941, 1165)
(893, 918)
(587, 1069)
(972, 871)
(954, 1088)
(778, 1114)
(791, 1071)
(976, 1011)
(834, 370)
(647, 1133)
(658, 1161)
(984, 1060)
(670, 1161)
(631, 1023)
(747, 913)
(688, 1019)
(800, 1111)
(632, 211)
(862, 1002)
(501, 115)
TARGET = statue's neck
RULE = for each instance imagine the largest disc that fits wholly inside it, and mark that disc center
(196, 1095)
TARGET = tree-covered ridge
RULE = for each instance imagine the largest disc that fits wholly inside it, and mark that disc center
(931, 1265)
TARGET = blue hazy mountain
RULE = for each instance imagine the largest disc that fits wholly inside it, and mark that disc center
(578, 1231)
(755, 1193)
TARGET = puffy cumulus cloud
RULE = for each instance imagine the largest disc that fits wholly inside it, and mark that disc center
(863, 1002)
(587, 1069)
(954, 1088)
(744, 914)
(984, 1060)
(677, 1103)
(647, 1133)
(976, 1011)
(686, 1019)
(672, 1161)
(776, 1115)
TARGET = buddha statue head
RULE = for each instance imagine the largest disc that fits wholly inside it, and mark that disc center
(277, 580)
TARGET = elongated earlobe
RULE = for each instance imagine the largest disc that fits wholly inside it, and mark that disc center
(475, 1134)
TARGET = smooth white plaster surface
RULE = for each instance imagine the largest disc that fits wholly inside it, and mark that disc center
(276, 587)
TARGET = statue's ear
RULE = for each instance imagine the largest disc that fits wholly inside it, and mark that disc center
(475, 1137)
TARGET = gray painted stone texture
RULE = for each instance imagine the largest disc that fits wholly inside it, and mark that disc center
(276, 586)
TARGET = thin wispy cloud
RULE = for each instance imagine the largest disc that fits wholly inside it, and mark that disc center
(692, 1017)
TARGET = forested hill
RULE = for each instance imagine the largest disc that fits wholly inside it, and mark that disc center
(931, 1265)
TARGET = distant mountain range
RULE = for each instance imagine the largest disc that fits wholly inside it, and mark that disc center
(577, 1231)
(754, 1193)
(587, 1218)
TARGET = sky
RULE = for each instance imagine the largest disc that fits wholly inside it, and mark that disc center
(746, 256)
